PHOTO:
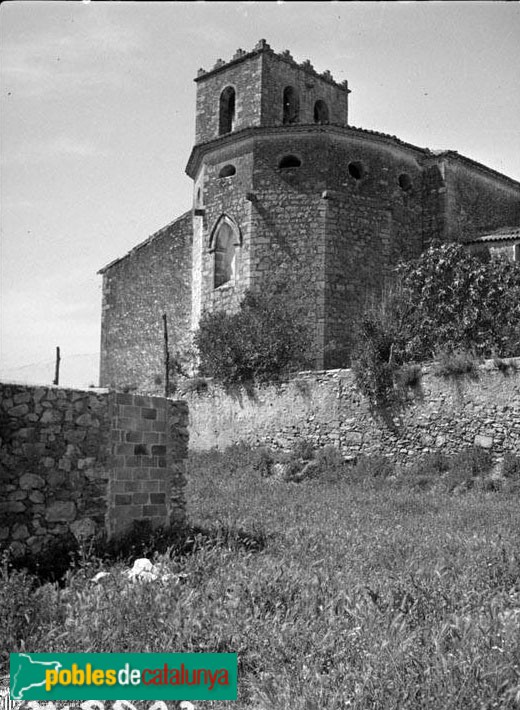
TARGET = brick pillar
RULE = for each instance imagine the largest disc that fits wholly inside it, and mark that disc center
(148, 449)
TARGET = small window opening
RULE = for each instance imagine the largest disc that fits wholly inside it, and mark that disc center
(356, 170)
(289, 161)
(225, 242)
(321, 112)
(405, 182)
(227, 111)
(291, 105)
(227, 171)
(199, 197)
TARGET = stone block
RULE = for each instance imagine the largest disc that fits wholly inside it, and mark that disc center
(148, 413)
(62, 510)
(84, 420)
(26, 433)
(11, 507)
(55, 479)
(17, 548)
(83, 529)
(20, 410)
(50, 416)
(151, 511)
(20, 532)
(75, 436)
(37, 450)
(17, 495)
(22, 397)
(36, 497)
(31, 480)
(484, 442)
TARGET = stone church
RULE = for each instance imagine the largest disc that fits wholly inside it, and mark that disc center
(282, 181)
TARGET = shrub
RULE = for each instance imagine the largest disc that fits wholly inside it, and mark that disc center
(194, 384)
(461, 301)
(506, 367)
(409, 375)
(456, 364)
(263, 461)
(448, 300)
(304, 450)
(381, 349)
(511, 466)
(373, 467)
(266, 338)
(52, 562)
(467, 467)
(331, 465)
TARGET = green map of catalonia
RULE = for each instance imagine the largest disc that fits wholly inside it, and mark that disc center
(29, 670)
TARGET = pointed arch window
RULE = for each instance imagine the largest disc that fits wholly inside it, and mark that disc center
(227, 111)
(321, 112)
(291, 105)
(224, 243)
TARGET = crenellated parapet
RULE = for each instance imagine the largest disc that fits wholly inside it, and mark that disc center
(263, 46)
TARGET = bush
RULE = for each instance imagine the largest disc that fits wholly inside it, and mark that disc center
(265, 339)
(461, 301)
(506, 367)
(448, 300)
(511, 466)
(456, 364)
(373, 467)
(52, 562)
(194, 385)
(467, 467)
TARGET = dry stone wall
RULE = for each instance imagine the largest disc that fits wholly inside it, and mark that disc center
(442, 415)
(83, 462)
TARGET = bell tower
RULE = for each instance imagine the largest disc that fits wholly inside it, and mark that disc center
(259, 117)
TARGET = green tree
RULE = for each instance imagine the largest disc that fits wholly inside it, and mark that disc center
(446, 300)
(460, 301)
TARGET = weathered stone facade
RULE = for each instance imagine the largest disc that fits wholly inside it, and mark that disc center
(442, 415)
(153, 279)
(276, 161)
(87, 461)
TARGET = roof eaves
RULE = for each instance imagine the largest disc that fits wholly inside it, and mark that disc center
(144, 243)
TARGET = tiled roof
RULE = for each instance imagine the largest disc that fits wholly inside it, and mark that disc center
(504, 234)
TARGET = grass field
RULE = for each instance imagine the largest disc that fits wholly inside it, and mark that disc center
(344, 591)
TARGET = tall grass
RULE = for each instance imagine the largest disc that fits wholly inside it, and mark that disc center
(354, 592)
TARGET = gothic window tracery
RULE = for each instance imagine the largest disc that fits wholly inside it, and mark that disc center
(224, 244)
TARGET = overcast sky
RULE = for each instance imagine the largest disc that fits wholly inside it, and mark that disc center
(98, 104)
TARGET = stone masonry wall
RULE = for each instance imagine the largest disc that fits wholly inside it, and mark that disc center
(84, 462)
(154, 278)
(325, 407)
(477, 201)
